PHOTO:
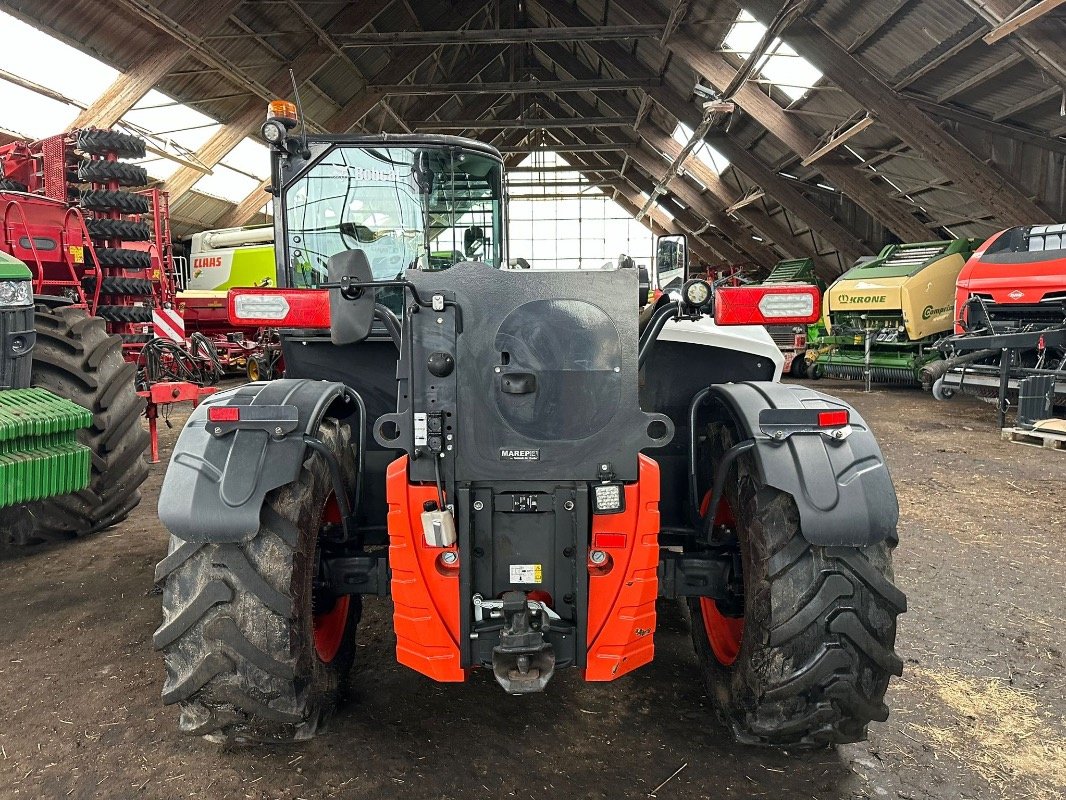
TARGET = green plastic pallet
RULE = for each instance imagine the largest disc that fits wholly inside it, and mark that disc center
(40, 456)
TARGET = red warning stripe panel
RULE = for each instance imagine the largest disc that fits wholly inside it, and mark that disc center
(621, 615)
(168, 324)
(425, 599)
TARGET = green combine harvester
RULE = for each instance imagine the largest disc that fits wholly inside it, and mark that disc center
(884, 315)
(793, 340)
(40, 456)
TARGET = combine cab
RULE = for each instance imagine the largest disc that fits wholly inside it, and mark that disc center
(884, 315)
(521, 467)
(1010, 306)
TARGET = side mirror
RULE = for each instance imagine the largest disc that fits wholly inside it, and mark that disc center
(643, 286)
(350, 319)
(671, 253)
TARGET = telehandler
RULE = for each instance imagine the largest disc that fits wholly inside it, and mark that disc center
(519, 467)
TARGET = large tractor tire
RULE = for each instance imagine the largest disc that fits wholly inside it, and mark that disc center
(253, 652)
(802, 656)
(75, 358)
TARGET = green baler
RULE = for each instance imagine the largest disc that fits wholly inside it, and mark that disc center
(40, 456)
(884, 315)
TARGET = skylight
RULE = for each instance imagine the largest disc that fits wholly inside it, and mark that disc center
(37, 57)
(238, 174)
(781, 66)
(704, 152)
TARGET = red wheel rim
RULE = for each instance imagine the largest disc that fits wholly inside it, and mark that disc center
(329, 629)
(329, 626)
(724, 634)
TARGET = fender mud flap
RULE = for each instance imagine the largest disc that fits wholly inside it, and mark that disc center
(842, 488)
(214, 487)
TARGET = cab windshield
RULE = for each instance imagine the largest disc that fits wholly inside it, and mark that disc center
(422, 208)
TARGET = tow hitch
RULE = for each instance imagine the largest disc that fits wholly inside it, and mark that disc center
(523, 662)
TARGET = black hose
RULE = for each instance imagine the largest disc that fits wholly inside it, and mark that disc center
(385, 316)
(163, 360)
(693, 476)
(651, 333)
(721, 471)
(337, 478)
(930, 373)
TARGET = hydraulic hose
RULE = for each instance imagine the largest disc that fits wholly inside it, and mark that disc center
(651, 333)
(930, 373)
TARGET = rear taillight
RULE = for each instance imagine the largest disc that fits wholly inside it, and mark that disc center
(763, 305)
(279, 308)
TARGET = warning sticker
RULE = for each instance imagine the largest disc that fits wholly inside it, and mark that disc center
(77, 254)
(526, 573)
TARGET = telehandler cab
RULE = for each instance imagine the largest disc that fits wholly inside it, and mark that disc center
(519, 467)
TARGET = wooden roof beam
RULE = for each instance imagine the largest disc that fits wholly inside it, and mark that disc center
(740, 239)
(780, 189)
(710, 209)
(500, 35)
(164, 54)
(250, 117)
(996, 70)
(707, 62)
(991, 189)
(248, 207)
(1022, 18)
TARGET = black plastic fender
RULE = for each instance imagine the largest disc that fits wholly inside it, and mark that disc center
(214, 486)
(842, 487)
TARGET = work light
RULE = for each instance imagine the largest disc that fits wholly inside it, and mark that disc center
(608, 498)
(696, 293)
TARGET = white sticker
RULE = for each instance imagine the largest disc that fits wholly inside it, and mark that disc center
(526, 573)
(421, 429)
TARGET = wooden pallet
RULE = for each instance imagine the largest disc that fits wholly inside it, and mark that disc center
(1049, 439)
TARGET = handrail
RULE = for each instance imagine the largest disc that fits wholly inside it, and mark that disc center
(29, 237)
(98, 283)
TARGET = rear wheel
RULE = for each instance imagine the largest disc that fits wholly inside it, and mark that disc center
(803, 655)
(75, 358)
(253, 652)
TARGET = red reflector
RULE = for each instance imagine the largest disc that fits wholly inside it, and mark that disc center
(832, 419)
(602, 541)
(224, 414)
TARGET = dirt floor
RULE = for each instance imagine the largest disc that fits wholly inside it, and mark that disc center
(979, 712)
